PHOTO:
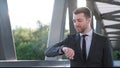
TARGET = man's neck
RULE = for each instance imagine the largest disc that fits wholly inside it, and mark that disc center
(87, 30)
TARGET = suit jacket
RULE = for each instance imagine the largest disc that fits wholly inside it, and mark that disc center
(100, 53)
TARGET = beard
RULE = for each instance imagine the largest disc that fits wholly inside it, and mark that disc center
(80, 29)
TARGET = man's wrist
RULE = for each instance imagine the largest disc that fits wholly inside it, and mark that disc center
(60, 50)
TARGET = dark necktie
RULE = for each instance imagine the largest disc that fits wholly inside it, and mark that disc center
(84, 47)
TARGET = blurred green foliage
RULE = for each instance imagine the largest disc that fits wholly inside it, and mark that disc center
(116, 55)
(30, 44)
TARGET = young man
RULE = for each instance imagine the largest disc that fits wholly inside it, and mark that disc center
(86, 48)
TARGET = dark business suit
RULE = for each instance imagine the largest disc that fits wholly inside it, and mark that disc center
(100, 53)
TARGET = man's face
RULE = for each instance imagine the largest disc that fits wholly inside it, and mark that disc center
(81, 23)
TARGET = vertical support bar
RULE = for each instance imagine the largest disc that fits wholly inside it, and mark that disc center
(100, 29)
(57, 27)
(7, 50)
(91, 8)
(72, 5)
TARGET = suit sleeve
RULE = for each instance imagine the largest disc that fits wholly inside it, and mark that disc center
(53, 50)
(107, 54)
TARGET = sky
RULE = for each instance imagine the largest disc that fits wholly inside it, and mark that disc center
(25, 13)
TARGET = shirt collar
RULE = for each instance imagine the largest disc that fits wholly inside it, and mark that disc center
(88, 33)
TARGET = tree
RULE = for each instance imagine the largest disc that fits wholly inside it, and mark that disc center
(30, 44)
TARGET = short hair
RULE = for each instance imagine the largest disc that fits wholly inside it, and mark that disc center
(87, 12)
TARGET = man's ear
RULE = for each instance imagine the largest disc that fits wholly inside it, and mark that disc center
(89, 20)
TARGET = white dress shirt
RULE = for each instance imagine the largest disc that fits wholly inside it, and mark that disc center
(88, 41)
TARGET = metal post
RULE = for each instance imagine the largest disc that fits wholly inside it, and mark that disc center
(57, 26)
(72, 5)
(7, 50)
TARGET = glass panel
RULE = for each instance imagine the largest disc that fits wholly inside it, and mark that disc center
(30, 21)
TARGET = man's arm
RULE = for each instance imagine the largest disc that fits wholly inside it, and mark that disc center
(60, 50)
(63, 47)
(54, 50)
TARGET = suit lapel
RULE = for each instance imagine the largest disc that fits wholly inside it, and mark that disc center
(92, 45)
(78, 42)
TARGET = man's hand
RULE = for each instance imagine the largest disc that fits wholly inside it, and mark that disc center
(68, 52)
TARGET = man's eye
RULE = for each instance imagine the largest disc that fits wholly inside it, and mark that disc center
(79, 20)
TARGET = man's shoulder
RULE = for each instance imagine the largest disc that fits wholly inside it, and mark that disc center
(100, 35)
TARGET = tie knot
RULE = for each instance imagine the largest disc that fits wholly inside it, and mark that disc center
(84, 36)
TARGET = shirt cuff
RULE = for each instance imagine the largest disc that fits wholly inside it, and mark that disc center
(60, 50)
